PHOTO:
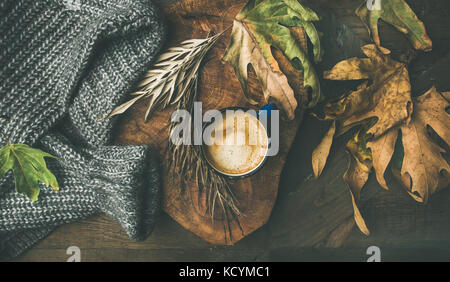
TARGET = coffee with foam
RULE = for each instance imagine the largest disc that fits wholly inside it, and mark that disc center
(239, 143)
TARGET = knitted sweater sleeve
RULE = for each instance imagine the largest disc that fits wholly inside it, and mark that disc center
(107, 48)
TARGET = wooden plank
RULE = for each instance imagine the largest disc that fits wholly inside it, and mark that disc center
(424, 253)
(392, 216)
(218, 89)
(100, 239)
(307, 211)
(143, 255)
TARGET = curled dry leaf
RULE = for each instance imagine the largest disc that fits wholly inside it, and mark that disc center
(380, 103)
(355, 177)
(421, 167)
(387, 98)
(423, 160)
(320, 154)
(401, 16)
(383, 106)
(357, 174)
(382, 151)
(261, 25)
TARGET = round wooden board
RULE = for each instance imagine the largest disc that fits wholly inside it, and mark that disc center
(218, 88)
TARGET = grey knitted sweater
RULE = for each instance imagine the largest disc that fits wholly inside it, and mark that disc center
(63, 64)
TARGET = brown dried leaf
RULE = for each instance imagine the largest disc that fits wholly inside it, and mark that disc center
(320, 154)
(443, 182)
(387, 97)
(357, 174)
(446, 95)
(294, 77)
(382, 151)
(382, 102)
(423, 161)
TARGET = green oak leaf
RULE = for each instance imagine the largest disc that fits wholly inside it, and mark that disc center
(401, 16)
(29, 168)
(263, 24)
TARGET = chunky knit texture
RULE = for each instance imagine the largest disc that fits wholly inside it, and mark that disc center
(63, 64)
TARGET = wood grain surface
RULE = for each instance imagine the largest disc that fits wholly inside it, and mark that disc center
(311, 219)
(218, 89)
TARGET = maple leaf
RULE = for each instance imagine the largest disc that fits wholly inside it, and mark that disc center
(384, 103)
(383, 107)
(423, 161)
(401, 16)
(420, 163)
(387, 98)
(29, 168)
(263, 24)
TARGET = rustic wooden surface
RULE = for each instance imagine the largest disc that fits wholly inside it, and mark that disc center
(218, 89)
(311, 219)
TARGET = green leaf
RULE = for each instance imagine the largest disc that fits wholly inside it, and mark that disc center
(29, 168)
(401, 16)
(263, 24)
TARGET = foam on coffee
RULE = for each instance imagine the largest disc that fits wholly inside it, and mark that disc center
(240, 146)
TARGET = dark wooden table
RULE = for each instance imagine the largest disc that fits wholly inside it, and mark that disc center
(311, 219)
